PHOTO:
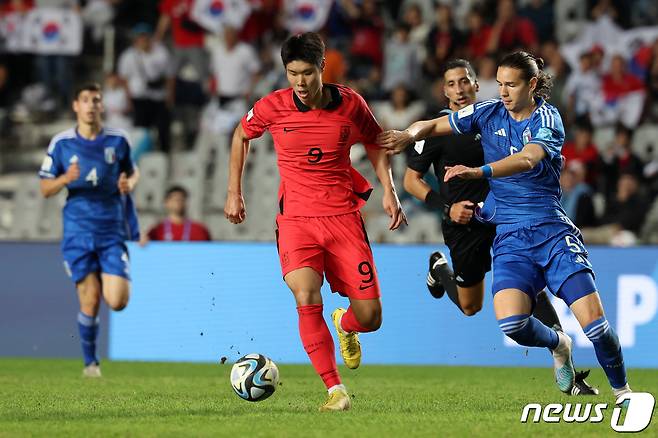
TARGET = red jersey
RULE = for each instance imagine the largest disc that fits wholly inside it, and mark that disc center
(184, 31)
(187, 231)
(313, 149)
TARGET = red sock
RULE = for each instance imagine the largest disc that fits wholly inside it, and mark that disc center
(350, 324)
(318, 343)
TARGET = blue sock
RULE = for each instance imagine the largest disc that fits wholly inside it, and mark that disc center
(608, 351)
(88, 328)
(528, 331)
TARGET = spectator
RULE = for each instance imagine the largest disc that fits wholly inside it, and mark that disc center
(577, 195)
(510, 31)
(435, 100)
(618, 159)
(177, 226)
(581, 149)
(418, 29)
(618, 82)
(541, 13)
(190, 62)
(624, 215)
(116, 100)
(400, 111)
(146, 68)
(555, 66)
(235, 66)
(582, 88)
(442, 42)
(367, 35)
(97, 15)
(487, 78)
(273, 77)
(623, 95)
(187, 36)
(7, 98)
(401, 60)
(651, 111)
(479, 34)
(335, 66)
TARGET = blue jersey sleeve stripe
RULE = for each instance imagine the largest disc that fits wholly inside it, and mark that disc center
(485, 103)
(453, 124)
(69, 133)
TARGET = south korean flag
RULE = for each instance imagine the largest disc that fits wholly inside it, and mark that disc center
(52, 31)
(306, 15)
(213, 15)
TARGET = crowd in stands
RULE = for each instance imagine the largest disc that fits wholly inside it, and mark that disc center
(202, 63)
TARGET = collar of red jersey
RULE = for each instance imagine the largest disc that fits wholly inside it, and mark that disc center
(336, 99)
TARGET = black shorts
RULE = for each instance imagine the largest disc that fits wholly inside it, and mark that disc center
(470, 250)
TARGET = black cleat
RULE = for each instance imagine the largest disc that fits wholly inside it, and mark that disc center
(581, 387)
(438, 262)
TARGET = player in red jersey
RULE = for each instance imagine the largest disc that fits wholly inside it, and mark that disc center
(320, 231)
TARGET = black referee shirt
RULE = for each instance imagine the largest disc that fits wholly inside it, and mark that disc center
(451, 150)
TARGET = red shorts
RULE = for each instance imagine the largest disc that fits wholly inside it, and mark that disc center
(334, 246)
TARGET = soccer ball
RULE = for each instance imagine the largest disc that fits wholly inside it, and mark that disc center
(254, 377)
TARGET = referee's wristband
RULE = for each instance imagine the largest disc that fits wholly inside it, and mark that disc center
(487, 171)
(433, 200)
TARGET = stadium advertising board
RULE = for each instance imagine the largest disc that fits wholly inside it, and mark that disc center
(201, 302)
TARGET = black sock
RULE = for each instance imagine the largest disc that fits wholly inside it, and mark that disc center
(545, 312)
(447, 279)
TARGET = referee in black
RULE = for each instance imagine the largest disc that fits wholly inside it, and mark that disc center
(468, 239)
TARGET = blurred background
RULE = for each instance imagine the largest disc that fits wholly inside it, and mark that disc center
(179, 74)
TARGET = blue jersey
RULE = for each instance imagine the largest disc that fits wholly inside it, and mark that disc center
(528, 196)
(94, 204)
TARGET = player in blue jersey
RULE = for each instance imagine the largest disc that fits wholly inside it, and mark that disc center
(93, 162)
(536, 244)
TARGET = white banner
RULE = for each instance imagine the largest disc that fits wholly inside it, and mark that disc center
(611, 38)
(11, 32)
(212, 15)
(306, 15)
(50, 31)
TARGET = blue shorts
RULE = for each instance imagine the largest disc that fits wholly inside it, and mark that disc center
(87, 253)
(534, 256)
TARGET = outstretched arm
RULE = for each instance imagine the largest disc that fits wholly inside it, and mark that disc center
(234, 207)
(527, 159)
(382, 165)
(396, 141)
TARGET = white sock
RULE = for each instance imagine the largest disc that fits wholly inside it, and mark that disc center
(621, 391)
(336, 387)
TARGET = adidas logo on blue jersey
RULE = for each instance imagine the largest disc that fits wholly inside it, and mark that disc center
(501, 132)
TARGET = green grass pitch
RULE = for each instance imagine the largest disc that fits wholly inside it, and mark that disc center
(50, 398)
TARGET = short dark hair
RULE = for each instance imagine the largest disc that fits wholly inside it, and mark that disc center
(176, 189)
(531, 67)
(89, 86)
(307, 47)
(460, 63)
(620, 128)
(583, 123)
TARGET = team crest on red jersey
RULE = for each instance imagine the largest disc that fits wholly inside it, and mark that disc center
(345, 131)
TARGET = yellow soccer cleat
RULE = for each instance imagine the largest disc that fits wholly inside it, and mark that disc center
(350, 347)
(338, 401)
